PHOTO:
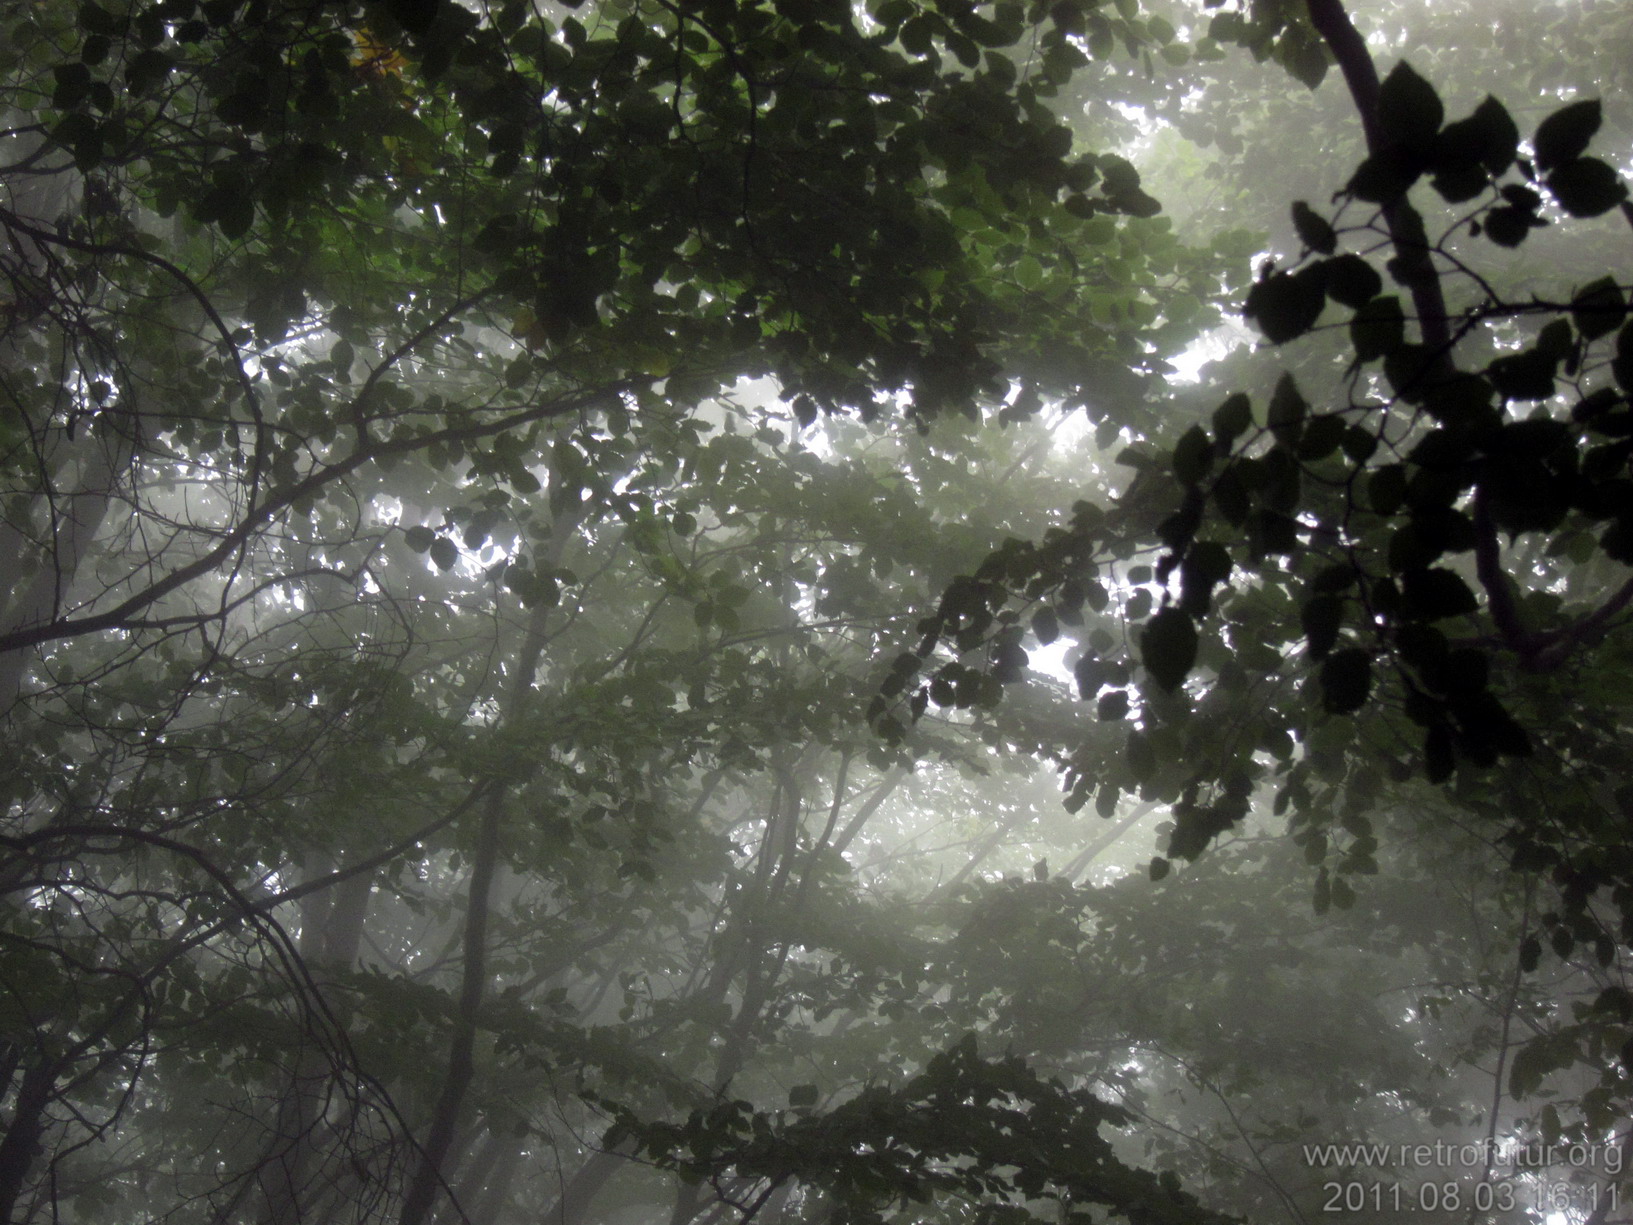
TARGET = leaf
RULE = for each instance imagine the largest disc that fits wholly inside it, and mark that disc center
(1435, 593)
(1193, 456)
(802, 1096)
(1314, 230)
(1286, 305)
(1207, 564)
(1321, 617)
(444, 553)
(1564, 135)
(415, 16)
(1598, 308)
(1287, 410)
(1352, 282)
(1384, 177)
(73, 82)
(1232, 417)
(1168, 647)
(1587, 187)
(1046, 626)
(1159, 868)
(1488, 136)
(419, 538)
(1457, 183)
(1346, 680)
(1530, 954)
(1409, 110)
(1378, 328)
(1508, 226)
(1439, 758)
(1524, 376)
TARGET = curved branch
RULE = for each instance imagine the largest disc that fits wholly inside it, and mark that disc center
(1405, 227)
(309, 486)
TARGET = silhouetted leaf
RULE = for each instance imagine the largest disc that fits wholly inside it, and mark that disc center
(1587, 187)
(444, 553)
(1351, 281)
(1193, 456)
(1314, 230)
(1168, 647)
(1488, 135)
(1378, 328)
(1409, 110)
(1286, 305)
(1508, 226)
(1233, 417)
(1598, 308)
(1346, 680)
(1434, 593)
(1565, 134)
(1321, 617)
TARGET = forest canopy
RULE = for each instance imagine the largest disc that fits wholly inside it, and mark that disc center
(909, 610)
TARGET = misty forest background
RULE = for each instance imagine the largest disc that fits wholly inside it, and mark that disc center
(815, 610)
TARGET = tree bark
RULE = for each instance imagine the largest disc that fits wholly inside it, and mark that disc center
(23, 1132)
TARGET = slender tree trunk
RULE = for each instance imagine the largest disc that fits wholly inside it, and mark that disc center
(428, 1174)
(490, 1205)
(23, 1132)
(574, 1202)
(331, 933)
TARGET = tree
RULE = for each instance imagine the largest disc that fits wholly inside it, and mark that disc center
(1422, 560)
(400, 563)
(464, 472)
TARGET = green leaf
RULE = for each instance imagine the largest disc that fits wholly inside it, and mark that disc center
(1346, 680)
(419, 538)
(1314, 230)
(1168, 647)
(1564, 135)
(1409, 110)
(1112, 706)
(802, 1096)
(1587, 187)
(1159, 868)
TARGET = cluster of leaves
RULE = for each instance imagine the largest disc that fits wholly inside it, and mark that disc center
(944, 1132)
(1368, 500)
(1305, 588)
